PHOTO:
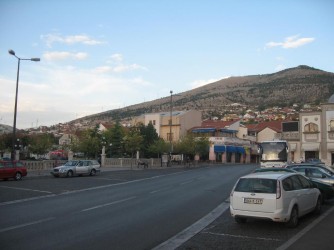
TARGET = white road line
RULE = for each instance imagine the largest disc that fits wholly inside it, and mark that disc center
(305, 230)
(108, 204)
(27, 199)
(89, 189)
(186, 182)
(27, 189)
(156, 191)
(243, 236)
(25, 225)
(189, 232)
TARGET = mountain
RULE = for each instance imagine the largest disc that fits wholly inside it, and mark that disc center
(299, 85)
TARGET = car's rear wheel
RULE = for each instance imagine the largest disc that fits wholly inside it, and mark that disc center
(293, 222)
(70, 173)
(93, 172)
(240, 220)
(18, 176)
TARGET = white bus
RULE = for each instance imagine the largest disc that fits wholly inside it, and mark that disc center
(273, 153)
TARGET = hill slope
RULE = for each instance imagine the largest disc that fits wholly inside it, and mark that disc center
(302, 84)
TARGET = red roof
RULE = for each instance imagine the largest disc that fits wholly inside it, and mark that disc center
(274, 125)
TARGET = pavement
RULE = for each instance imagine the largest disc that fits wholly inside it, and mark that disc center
(315, 236)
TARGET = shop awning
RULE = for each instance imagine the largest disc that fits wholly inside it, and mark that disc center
(230, 149)
(219, 148)
(310, 147)
(203, 130)
(240, 150)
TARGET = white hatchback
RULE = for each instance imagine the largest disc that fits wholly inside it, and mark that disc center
(277, 196)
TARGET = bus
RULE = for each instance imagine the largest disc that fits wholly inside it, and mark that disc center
(273, 153)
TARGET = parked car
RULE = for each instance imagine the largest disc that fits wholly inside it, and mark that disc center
(314, 172)
(314, 161)
(327, 190)
(328, 170)
(277, 196)
(77, 167)
(12, 169)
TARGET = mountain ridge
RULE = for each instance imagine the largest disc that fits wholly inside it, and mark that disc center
(283, 88)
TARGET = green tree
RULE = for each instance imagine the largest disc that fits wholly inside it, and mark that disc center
(158, 147)
(115, 136)
(132, 142)
(150, 136)
(90, 143)
(41, 144)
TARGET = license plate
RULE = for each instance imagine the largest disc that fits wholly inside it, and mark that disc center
(253, 201)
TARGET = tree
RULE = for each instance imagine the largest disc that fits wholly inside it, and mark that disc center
(115, 136)
(90, 143)
(41, 144)
(132, 142)
(158, 147)
(150, 136)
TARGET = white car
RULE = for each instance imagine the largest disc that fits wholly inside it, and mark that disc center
(77, 167)
(277, 196)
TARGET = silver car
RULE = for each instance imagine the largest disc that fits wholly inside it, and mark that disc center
(77, 167)
(315, 173)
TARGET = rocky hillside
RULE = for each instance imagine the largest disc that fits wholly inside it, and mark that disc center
(299, 85)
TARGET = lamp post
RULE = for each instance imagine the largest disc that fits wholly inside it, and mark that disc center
(170, 122)
(11, 52)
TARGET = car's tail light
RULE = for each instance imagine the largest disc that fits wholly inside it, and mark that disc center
(278, 190)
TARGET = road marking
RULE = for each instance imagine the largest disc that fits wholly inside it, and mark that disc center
(287, 244)
(108, 204)
(27, 199)
(243, 236)
(186, 182)
(90, 189)
(195, 228)
(27, 189)
(25, 224)
(156, 191)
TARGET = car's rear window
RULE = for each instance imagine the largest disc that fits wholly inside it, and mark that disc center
(256, 185)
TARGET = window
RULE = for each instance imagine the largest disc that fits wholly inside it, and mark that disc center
(287, 184)
(256, 185)
(331, 125)
(296, 182)
(153, 122)
(305, 183)
(311, 127)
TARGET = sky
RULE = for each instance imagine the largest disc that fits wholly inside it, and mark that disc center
(101, 55)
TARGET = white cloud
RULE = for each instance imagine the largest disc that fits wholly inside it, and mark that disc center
(63, 55)
(200, 83)
(63, 93)
(291, 42)
(56, 38)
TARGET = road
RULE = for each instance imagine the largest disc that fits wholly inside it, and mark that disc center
(114, 210)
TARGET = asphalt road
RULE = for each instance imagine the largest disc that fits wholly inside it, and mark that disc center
(114, 210)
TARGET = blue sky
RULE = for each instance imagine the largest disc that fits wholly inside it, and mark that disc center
(102, 55)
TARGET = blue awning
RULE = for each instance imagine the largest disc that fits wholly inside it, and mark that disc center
(203, 130)
(219, 148)
(230, 149)
(229, 131)
(240, 150)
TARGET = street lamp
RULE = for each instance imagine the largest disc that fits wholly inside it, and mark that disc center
(170, 121)
(17, 86)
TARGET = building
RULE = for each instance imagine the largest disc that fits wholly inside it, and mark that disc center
(225, 146)
(171, 126)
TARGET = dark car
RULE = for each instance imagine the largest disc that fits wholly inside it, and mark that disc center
(327, 190)
(314, 161)
(12, 169)
(323, 167)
